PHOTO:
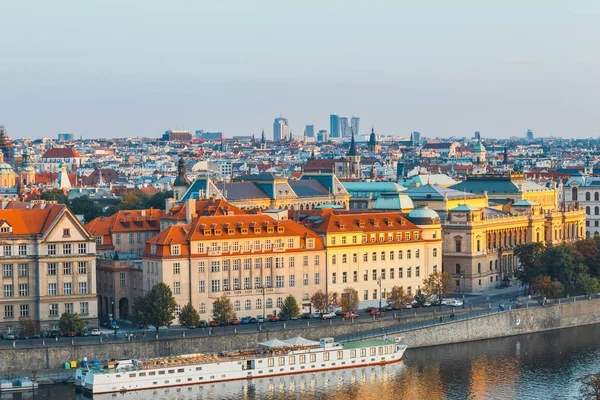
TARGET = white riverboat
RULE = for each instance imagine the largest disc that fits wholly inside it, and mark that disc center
(273, 358)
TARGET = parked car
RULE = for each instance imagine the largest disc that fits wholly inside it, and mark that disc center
(444, 302)
(235, 321)
(408, 306)
(377, 312)
(36, 336)
(253, 320)
(455, 303)
(339, 312)
(70, 334)
(54, 334)
(84, 332)
(95, 332)
(203, 324)
(305, 316)
(317, 315)
(192, 327)
(10, 336)
(245, 320)
(282, 318)
(329, 315)
(260, 319)
(369, 309)
(350, 315)
(427, 304)
(273, 318)
(213, 324)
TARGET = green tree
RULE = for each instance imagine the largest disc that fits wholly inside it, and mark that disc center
(563, 263)
(397, 297)
(420, 298)
(590, 387)
(350, 300)
(55, 195)
(86, 206)
(156, 308)
(189, 316)
(158, 200)
(223, 311)
(588, 284)
(27, 327)
(71, 323)
(290, 308)
(319, 300)
(545, 286)
(529, 257)
(590, 254)
(439, 284)
(132, 200)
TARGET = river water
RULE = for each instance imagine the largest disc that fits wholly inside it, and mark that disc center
(538, 366)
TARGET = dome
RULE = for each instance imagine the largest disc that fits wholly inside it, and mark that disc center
(5, 169)
(393, 201)
(423, 216)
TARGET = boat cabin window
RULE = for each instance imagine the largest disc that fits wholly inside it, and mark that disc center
(271, 362)
(161, 372)
(302, 359)
(313, 358)
(132, 375)
(292, 360)
(353, 353)
(142, 374)
(363, 352)
(340, 355)
(372, 351)
(180, 370)
(326, 356)
(198, 368)
(171, 371)
(281, 361)
(152, 373)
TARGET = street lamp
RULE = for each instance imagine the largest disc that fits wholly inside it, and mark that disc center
(379, 283)
(264, 304)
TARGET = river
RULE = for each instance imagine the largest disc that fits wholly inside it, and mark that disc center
(537, 366)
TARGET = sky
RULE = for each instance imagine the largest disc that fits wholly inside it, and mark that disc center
(121, 68)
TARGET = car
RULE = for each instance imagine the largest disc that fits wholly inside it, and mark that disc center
(317, 315)
(213, 324)
(408, 306)
(377, 312)
(245, 320)
(70, 334)
(253, 320)
(192, 327)
(95, 332)
(369, 309)
(10, 336)
(339, 312)
(389, 307)
(260, 319)
(444, 302)
(305, 316)
(54, 334)
(329, 315)
(235, 321)
(427, 304)
(203, 324)
(294, 318)
(282, 318)
(350, 315)
(273, 318)
(84, 332)
(455, 303)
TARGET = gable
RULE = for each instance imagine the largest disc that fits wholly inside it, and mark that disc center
(76, 232)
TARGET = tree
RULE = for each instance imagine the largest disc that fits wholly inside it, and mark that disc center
(590, 387)
(55, 195)
(439, 284)
(333, 301)
(350, 300)
(157, 200)
(319, 300)
(588, 284)
(396, 297)
(223, 311)
(563, 263)
(27, 327)
(545, 286)
(590, 254)
(156, 308)
(189, 316)
(132, 200)
(86, 206)
(420, 298)
(290, 308)
(529, 258)
(71, 323)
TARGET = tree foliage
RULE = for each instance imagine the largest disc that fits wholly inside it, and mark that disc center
(290, 308)
(223, 311)
(156, 308)
(27, 327)
(55, 195)
(189, 316)
(439, 284)
(545, 286)
(590, 387)
(71, 323)
(349, 301)
(86, 206)
(529, 258)
(319, 300)
(420, 298)
(397, 297)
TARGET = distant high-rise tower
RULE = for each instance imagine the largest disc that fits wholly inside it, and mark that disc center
(344, 131)
(334, 126)
(310, 131)
(281, 130)
(416, 137)
(529, 134)
(477, 135)
(355, 124)
(322, 136)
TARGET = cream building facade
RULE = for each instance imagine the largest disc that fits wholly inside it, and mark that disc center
(48, 265)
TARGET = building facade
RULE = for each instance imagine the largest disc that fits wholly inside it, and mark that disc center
(281, 130)
(48, 266)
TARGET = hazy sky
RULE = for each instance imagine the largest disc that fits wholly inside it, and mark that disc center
(101, 68)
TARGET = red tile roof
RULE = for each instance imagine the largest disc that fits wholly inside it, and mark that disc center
(61, 152)
(29, 218)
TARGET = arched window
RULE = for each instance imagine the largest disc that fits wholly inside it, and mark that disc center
(458, 268)
(334, 259)
(596, 196)
(574, 194)
(587, 196)
(596, 210)
(587, 210)
(491, 265)
(479, 268)
(269, 303)
(458, 246)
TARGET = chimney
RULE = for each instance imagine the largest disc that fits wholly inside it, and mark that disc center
(169, 203)
(190, 210)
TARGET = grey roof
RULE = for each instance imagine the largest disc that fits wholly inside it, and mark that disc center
(495, 185)
(309, 188)
(464, 208)
(244, 190)
(434, 192)
(393, 201)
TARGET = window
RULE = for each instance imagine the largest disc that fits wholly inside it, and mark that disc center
(305, 261)
(269, 303)
(333, 259)
(215, 285)
(202, 308)
(200, 247)
(317, 278)
(458, 245)
(399, 254)
(435, 269)
(435, 252)
(317, 260)
(23, 269)
(67, 288)
(52, 269)
(176, 268)
(279, 281)
(333, 240)
(68, 268)
(383, 256)
(400, 271)
(201, 286)
(7, 270)
(215, 266)
(391, 256)
(366, 275)
(84, 308)
(366, 295)
(408, 272)
(67, 249)
(417, 271)
(391, 273)
(82, 248)
(248, 305)
(408, 254)
(407, 235)
(417, 253)
(22, 249)
(176, 287)
(355, 258)
(53, 309)
(122, 279)
(8, 312)
(5, 229)
(344, 277)
(290, 243)
(292, 279)
(66, 232)
(334, 278)
(247, 283)
(279, 263)
(375, 294)
(83, 288)
(305, 279)
(365, 257)
(24, 310)
(8, 290)
(344, 259)
(355, 276)
(374, 274)
(7, 251)
(52, 289)
(374, 256)
(69, 308)
(82, 267)
(51, 249)
(382, 276)
(458, 268)
(175, 250)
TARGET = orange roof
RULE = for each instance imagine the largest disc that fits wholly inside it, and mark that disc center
(34, 220)
(204, 207)
(333, 222)
(61, 152)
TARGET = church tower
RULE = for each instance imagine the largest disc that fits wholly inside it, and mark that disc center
(354, 158)
(182, 182)
(589, 166)
(479, 159)
(27, 171)
(373, 148)
(263, 141)
(6, 147)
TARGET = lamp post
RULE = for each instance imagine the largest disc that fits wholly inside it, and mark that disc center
(263, 302)
(379, 283)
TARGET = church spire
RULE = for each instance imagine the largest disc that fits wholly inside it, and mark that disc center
(352, 150)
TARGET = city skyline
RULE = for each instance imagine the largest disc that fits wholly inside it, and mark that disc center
(136, 69)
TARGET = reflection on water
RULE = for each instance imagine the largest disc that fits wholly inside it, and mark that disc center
(540, 366)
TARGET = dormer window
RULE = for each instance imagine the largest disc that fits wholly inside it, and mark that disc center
(230, 231)
(270, 229)
(217, 232)
(66, 232)
(6, 229)
(279, 229)
(153, 249)
(244, 231)
(175, 250)
(256, 230)
(207, 232)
